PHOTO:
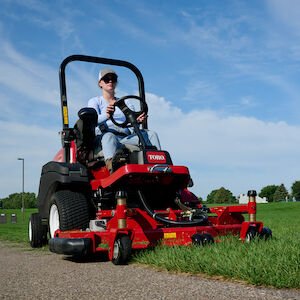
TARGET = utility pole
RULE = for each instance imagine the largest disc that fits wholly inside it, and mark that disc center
(23, 208)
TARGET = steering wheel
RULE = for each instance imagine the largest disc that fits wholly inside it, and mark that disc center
(138, 106)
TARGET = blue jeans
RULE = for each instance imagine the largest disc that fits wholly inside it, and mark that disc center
(110, 142)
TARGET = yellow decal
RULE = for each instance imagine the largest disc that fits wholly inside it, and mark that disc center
(170, 235)
(65, 114)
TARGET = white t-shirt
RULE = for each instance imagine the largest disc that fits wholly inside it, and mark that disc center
(100, 105)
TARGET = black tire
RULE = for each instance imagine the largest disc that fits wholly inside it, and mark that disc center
(122, 250)
(202, 239)
(36, 231)
(71, 211)
(251, 235)
(265, 234)
(207, 239)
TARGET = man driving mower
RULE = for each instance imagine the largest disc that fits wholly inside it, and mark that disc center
(109, 137)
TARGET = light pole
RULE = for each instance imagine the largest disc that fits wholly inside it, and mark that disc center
(22, 159)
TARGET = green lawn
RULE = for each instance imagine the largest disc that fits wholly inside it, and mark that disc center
(17, 232)
(272, 263)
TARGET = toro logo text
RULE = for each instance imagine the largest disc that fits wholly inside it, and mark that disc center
(156, 157)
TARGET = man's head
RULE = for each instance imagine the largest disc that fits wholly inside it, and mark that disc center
(108, 74)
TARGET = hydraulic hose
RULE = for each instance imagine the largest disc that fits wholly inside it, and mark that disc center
(201, 221)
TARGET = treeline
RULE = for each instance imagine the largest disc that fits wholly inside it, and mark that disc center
(14, 201)
(273, 193)
(277, 193)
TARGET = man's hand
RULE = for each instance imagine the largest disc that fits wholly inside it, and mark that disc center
(141, 118)
(110, 110)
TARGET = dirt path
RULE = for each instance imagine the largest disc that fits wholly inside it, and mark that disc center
(26, 274)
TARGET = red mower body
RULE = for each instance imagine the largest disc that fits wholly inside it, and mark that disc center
(143, 229)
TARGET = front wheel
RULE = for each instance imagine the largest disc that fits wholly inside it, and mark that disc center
(265, 234)
(251, 235)
(122, 250)
(202, 239)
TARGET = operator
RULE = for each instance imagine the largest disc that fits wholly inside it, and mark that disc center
(110, 137)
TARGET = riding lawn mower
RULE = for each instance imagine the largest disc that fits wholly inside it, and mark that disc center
(84, 209)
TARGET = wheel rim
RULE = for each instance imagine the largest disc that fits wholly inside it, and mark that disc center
(250, 236)
(53, 220)
(30, 231)
(116, 249)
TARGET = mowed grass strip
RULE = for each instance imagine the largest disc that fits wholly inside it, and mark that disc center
(275, 262)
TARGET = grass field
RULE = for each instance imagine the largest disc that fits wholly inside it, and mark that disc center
(17, 232)
(272, 263)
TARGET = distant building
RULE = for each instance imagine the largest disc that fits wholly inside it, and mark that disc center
(242, 198)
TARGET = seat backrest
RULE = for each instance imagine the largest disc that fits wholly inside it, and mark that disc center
(84, 130)
(88, 115)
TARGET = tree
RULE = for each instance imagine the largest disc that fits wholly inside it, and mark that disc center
(296, 190)
(15, 201)
(268, 192)
(280, 194)
(221, 195)
(210, 197)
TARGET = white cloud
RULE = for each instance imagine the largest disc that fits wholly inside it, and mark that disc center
(236, 151)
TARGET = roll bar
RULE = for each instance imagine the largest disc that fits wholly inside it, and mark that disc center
(66, 131)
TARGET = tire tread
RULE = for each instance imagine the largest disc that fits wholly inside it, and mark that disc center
(73, 210)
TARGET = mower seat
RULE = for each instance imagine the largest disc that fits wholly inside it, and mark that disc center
(84, 132)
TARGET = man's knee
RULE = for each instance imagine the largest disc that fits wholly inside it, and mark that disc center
(108, 137)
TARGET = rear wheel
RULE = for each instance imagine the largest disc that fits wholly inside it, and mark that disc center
(122, 250)
(53, 219)
(36, 231)
(68, 210)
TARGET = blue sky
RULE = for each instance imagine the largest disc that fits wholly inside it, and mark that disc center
(221, 79)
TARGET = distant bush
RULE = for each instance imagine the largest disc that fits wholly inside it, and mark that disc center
(296, 190)
(14, 201)
(281, 194)
(221, 195)
(268, 192)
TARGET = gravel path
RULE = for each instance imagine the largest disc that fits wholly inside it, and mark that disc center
(26, 274)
